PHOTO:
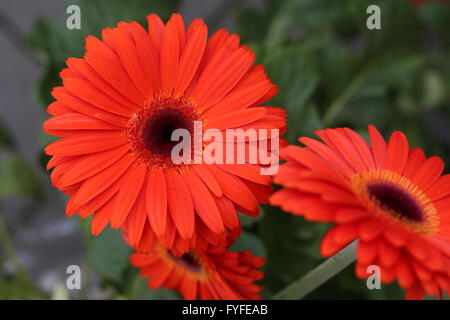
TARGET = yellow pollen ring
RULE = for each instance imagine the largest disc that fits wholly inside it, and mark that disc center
(360, 182)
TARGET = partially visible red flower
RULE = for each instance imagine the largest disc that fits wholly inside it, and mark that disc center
(388, 195)
(115, 114)
(215, 274)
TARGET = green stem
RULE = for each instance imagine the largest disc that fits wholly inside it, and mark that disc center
(342, 100)
(321, 274)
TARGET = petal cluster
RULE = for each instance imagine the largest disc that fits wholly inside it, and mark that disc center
(214, 274)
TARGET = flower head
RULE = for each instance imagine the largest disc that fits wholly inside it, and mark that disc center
(388, 195)
(116, 113)
(215, 274)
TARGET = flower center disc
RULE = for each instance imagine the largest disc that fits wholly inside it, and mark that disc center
(189, 262)
(158, 131)
(391, 197)
(150, 131)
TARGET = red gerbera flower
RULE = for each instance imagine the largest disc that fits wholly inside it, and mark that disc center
(115, 114)
(216, 274)
(389, 196)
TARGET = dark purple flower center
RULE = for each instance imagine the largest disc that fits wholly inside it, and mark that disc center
(188, 261)
(394, 198)
(158, 131)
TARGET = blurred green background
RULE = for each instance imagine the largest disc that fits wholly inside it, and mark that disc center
(330, 69)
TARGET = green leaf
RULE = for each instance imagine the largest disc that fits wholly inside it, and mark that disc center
(17, 177)
(356, 12)
(249, 242)
(252, 25)
(44, 86)
(366, 109)
(109, 254)
(337, 66)
(294, 70)
(310, 122)
(400, 32)
(249, 222)
(437, 16)
(315, 14)
(400, 71)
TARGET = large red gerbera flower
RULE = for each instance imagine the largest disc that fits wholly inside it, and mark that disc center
(389, 196)
(117, 109)
(215, 274)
